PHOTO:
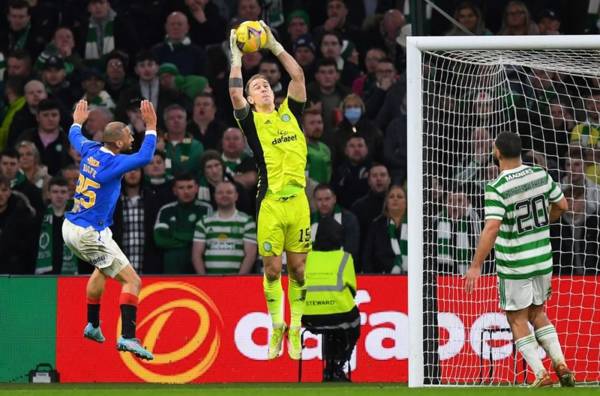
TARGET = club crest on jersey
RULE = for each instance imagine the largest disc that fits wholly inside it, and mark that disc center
(285, 117)
(267, 246)
(192, 217)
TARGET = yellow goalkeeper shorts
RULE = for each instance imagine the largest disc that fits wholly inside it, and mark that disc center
(283, 224)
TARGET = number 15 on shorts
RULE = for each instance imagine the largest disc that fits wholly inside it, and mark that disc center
(304, 235)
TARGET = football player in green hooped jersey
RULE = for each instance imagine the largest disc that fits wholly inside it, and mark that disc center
(283, 214)
(519, 207)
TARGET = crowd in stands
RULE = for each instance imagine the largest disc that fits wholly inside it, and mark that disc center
(192, 209)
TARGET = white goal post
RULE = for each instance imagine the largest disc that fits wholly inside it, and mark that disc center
(461, 92)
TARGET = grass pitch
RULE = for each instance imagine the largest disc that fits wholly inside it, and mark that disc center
(276, 390)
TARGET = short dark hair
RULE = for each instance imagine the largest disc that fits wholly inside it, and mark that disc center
(509, 144)
(254, 77)
(16, 85)
(185, 176)
(206, 95)
(323, 187)
(10, 152)
(161, 154)
(19, 53)
(18, 4)
(324, 62)
(48, 104)
(210, 155)
(58, 181)
(145, 55)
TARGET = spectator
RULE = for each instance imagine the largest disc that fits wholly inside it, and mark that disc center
(18, 231)
(135, 215)
(327, 206)
(225, 242)
(20, 33)
(337, 21)
(319, 156)
(269, 68)
(575, 238)
(385, 34)
(204, 126)
(62, 46)
(9, 168)
(363, 84)
(354, 122)
(103, 32)
(58, 86)
(386, 246)
(238, 163)
(472, 173)
(575, 176)
(117, 65)
(395, 150)
(548, 22)
(207, 25)
(553, 138)
(26, 117)
(157, 179)
(469, 15)
(587, 134)
(331, 45)
(71, 174)
(350, 179)
(371, 205)
(92, 82)
(327, 91)
(31, 165)
(213, 173)
(14, 93)
(175, 223)
(249, 10)
(182, 150)
(53, 257)
(178, 48)
(50, 140)
(98, 119)
(517, 20)
(18, 64)
(298, 24)
(457, 230)
(304, 52)
(167, 73)
(148, 87)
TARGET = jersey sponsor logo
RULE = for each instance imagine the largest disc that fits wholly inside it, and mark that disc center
(93, 162)
(284, 139)
(173, 362)
(519, 174)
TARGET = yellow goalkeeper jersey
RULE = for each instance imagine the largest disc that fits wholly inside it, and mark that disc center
(279, 148)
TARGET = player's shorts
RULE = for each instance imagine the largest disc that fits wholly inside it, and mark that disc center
(517, 294)
(283, 224)
(96, 247)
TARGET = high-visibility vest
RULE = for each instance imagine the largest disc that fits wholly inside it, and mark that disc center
(330, 282)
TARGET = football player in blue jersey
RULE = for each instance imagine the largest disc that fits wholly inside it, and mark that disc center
(86, 228)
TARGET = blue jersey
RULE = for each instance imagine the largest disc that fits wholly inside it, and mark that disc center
(100, 173)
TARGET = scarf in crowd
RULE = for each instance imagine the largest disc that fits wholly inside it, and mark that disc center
(43, 263)
(100, 40)
(2, 66)
(203, 190)
(21, 39)
(457, 239)
(399, 242)
(173, 46)
(102, 100)
(316, 216)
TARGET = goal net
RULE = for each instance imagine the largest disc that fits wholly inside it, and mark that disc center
(462, 93)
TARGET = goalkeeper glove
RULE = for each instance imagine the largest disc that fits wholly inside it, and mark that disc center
(236, 54)
(272, 43)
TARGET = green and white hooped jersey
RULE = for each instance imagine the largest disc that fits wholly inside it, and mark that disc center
(521, 198)
(224, 238)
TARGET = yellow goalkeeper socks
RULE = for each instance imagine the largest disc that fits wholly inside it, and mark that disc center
(274, 297)
(296, 297)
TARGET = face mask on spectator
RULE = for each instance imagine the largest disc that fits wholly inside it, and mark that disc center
(353, 114)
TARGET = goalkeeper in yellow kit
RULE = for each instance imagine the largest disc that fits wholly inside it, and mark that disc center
(283, 215)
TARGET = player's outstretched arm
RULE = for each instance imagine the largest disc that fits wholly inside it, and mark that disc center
(297, 87)
(484, 247)
(236, 84)
(80, 115)
(148, 115)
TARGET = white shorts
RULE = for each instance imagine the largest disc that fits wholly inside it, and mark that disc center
(517, 294)
(96, 247)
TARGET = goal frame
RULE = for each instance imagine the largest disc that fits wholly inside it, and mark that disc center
(415, 46)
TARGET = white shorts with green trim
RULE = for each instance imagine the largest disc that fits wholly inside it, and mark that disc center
(517, 294)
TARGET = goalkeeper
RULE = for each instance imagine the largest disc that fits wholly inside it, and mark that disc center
(283, 215)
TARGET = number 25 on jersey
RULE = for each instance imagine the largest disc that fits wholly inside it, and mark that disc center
(85, 187)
